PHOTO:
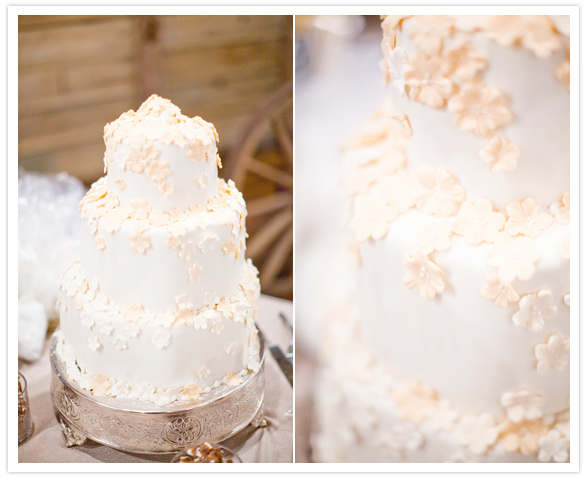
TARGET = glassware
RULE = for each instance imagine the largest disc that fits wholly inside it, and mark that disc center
(25, 422)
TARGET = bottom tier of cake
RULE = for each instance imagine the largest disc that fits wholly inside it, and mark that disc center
(129, 352)
(365, 413)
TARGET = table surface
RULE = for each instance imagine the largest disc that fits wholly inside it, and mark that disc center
(273, 443)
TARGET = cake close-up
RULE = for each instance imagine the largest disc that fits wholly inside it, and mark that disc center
(454, 345)
(161, 305)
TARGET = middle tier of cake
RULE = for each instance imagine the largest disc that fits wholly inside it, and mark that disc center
(146, 256)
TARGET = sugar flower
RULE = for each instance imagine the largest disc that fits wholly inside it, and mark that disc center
(435, 236)
(441, 194)
(208, 243)
(553, 447)
(443, 417)
(522, 405)
(161, 339)
(414, 401)
(100, 243)
(525, 218)
(371, 218)
(166, 188)
(120, 343)
(534, 309)
(424, 275)
(191, 392)
(139, 209)
(106, 328)
(158, 218)
(522, 436)
(563, 214)
(500, 154)
(133, 312)
(477, 432)
(513, 257)
(427, 81)
(398, 191)
(539, 35)
(158, 171)
(195, 272)
(132, 330)
(502, 293)
(465, 62)
(554, 354)
(233, 379)
(202, 180)
(429, 31)
(478, 222)
(187, 250)
(114, 219)
(139, 242)
(184, 301)
(479, 108)
(94, 343)
(100, 384)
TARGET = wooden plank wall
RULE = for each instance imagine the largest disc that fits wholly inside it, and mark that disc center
(76, 73)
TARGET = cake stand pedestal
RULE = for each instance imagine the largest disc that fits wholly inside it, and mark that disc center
(145, 428)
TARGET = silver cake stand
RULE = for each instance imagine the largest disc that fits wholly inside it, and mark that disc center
(143, 428)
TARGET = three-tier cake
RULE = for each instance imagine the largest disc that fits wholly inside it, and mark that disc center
(160, 307)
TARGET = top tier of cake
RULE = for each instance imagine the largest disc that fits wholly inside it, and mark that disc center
(159, 155)
(487, 99)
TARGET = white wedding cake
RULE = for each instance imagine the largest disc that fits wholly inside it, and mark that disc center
(160, 307)
(455, 346)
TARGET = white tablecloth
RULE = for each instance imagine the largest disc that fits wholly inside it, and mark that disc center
(273, 443)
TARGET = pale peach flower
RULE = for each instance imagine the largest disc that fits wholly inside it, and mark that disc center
(500, 154)
(114, 219)
(157, 171)
(133, 312)
(399, 190)
(465, 62)
(427, 82)
(195, 272)
(470, 23)
(229, 247)
(502, 293)
(233, 379)
(158, 218)
(477, 432)
(100, 384)
(563, 214)
(389, 26)
(504, 29)
(478, 222)
(429, 32)
(522, 405)
(139, 209)
(441, 194)
(479, 108)
(565, 250)
(435, 236)
(166, 188)
(120, 183)
(139, 242)
(414, 401)
(173, 242)
(539, 35)
(187, 250)
(553, 354)
(371, 218)
(563, 73)
(195, 152)
(525, 218)
(513, 257)
(135, 162)
(423, 274)
(522, 436)
(100, 243)
(191, 392)
(534, 309)
(202, 180)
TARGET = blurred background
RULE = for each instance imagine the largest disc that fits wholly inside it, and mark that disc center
(338, 86)
(78, 73)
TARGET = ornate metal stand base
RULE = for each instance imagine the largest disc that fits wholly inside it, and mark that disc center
(142, 428)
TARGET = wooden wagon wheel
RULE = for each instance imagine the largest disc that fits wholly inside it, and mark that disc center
(261, 165)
